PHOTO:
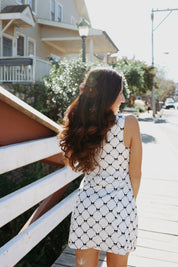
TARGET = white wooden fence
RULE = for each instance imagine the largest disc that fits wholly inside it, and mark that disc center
(16, 73)
(16, 203)
(24, 73)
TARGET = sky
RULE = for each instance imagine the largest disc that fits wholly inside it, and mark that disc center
(128, 23)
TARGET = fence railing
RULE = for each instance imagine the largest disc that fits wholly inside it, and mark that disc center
(16, 73)
(18, 155)
(23, 69)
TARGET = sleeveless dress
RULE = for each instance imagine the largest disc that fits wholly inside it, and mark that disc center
(105, 213)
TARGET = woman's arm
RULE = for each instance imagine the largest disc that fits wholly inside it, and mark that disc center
(45, 205)
(135, 145)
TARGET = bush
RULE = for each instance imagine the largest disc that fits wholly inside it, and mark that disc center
(63, 85)
(140, 104)
(36, 95)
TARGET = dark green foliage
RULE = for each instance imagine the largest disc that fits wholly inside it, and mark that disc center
(148, 77)
(13, 180)
(35, 95)
(139, 76)
(63, 85)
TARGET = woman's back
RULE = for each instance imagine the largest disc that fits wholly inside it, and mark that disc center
(114, 157)
(107, 148)
(105, 216)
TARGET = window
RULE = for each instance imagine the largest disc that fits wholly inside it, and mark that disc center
(20, 46)
(31, 48)
(7, 47)
(52, 9)
(22, 1)
(32, 5)
(59, 13)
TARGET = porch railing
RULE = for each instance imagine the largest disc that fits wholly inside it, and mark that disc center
(42, 68)
(21, 200)
(23, 69)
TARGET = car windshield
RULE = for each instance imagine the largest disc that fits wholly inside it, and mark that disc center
(170, 100)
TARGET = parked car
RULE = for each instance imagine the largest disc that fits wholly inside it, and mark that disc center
(169, 103)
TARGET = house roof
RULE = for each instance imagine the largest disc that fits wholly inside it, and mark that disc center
(19, 15)
(110, 40)
(14, 9)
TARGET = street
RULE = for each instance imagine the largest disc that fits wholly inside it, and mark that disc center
(158, 195)
(169, 125)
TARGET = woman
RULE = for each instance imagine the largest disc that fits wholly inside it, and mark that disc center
(106, 146)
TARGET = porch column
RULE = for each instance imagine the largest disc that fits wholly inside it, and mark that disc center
(34, 70)
(105, 58)
(91, 50)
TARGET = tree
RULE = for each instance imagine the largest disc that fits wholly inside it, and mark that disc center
(163, 87)
(139, 76)
(148, 77)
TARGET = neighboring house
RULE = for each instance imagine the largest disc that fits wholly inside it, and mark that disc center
(34, 31)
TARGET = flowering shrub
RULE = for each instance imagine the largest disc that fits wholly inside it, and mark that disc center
(63, 85)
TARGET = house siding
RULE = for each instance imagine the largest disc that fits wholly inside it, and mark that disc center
(45, 11)
(68, 10)
(34, 33)
(42, 49)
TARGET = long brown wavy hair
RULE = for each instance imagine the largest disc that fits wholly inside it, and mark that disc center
(88, 119)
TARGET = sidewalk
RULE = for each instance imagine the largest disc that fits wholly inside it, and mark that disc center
(157, 200)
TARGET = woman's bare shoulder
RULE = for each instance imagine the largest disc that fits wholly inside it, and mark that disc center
(131, 129)
(131, 122)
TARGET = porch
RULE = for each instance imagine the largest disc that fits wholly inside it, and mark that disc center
(23, 69)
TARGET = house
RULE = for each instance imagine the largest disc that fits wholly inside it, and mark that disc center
(34, 31)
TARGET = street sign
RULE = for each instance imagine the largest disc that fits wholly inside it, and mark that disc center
(156, 96)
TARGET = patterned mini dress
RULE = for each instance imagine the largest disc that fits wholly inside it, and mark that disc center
(105, 212)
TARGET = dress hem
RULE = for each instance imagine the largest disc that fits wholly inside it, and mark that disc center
(110, 251)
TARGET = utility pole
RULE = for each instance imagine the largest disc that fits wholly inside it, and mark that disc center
(170, 10)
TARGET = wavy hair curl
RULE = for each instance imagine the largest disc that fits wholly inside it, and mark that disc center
(88, 119)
